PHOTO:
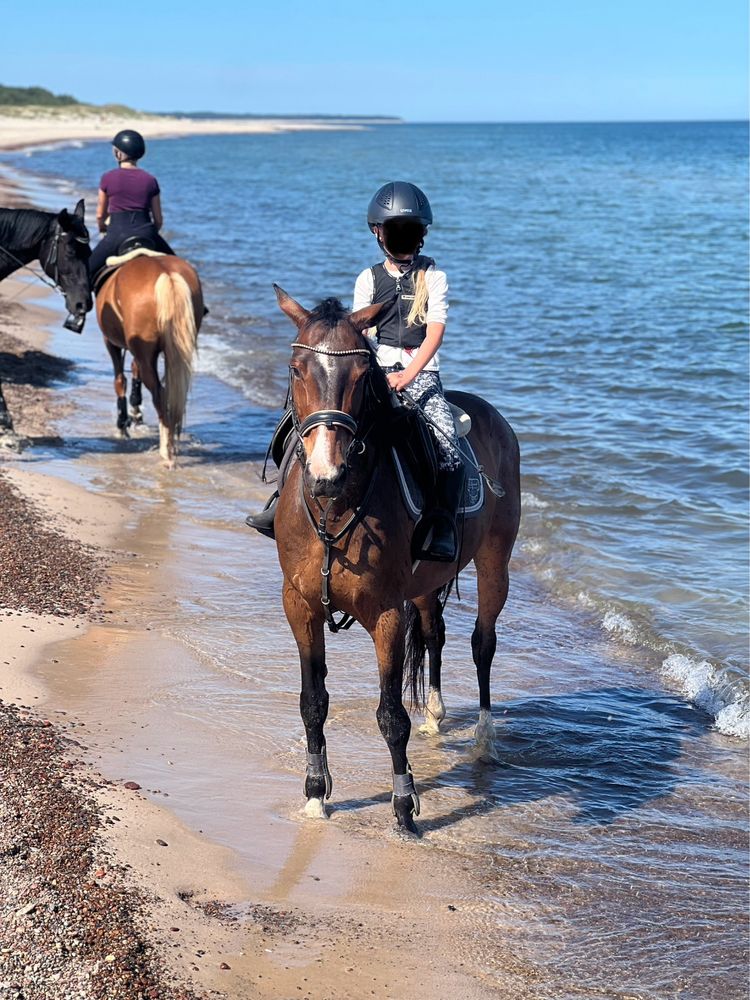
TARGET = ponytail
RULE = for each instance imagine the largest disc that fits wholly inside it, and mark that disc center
(418, 312)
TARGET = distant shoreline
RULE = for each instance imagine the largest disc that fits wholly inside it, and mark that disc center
(22, 128)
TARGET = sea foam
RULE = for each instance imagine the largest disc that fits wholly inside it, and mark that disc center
(712, 691)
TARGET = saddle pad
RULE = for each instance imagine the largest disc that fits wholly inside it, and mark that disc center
(131, 254)
(473, 488)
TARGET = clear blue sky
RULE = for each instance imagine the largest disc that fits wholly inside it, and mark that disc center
(446, 60)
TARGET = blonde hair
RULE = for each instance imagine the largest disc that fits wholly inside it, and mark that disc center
(418, 312)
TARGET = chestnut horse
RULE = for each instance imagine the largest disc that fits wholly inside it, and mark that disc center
(152, 305)
(343, 536)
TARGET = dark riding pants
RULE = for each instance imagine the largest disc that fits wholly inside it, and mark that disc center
(121, 226)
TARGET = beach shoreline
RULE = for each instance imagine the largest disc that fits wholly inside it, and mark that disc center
(35, 127)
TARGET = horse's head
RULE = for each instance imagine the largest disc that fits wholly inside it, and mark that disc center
(328, 376)
(65, 261)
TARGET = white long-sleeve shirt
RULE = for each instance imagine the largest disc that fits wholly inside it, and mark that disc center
(437, 312)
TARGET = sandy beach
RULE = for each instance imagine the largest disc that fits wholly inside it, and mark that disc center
(37, 126)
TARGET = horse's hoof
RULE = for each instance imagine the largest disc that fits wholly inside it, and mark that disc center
(430, 726)
(403, 808)
(136, 417)
(122, 433)
(315, 809)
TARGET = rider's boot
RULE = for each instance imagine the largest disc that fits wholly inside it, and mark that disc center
(443, 546)
(263, 521)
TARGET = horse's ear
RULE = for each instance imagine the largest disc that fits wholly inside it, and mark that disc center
(80, 209)
(362, 318)
(296, 313)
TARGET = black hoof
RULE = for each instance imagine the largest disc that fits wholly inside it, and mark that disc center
(403, 808)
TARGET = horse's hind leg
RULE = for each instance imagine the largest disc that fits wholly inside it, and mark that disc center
(433, 632)
(492, 589)
(121, 386)
(136, 395)
(313, 699)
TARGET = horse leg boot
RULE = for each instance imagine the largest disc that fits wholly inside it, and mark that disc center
(121, 386)
(136, 394)
(444, 544)
(393, 719)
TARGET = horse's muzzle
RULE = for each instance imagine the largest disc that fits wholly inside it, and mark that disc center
(329, 487)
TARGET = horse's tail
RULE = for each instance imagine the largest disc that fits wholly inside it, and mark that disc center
(414, 656)
(175, 320)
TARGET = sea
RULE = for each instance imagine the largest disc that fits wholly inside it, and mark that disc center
(598, 289)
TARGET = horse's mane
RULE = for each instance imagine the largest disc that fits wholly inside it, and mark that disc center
(329, 313)
(22, 228)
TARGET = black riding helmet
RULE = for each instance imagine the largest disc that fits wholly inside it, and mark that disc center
(131, 143)
(402, 213)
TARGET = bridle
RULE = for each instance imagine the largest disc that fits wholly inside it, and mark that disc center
(357, 446)
(50, 265)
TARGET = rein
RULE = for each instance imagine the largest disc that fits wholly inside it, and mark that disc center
(331, 419)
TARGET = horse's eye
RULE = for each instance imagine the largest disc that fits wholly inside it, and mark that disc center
(296, 373)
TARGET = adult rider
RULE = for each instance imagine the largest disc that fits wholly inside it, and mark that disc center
(129, 203)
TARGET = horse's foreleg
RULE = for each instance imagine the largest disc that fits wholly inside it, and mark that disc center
(492, 590)
(118, 363)
(313, 700)
(433, 631)
(136, 396)
(393, 719)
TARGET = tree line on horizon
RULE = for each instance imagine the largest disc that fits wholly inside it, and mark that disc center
(38, 96)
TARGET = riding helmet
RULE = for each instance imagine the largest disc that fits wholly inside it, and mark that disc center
(131, 143)
(399, 200)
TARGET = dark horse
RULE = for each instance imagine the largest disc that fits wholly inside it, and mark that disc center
(60, 242)
(153, 305)
(344, 534)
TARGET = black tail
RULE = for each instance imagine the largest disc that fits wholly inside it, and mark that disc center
(414, 657)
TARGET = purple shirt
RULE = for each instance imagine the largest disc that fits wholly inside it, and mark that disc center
(129, 189)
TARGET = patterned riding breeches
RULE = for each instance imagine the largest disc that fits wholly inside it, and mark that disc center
(427, 391)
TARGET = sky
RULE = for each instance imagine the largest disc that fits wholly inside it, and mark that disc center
(446, 60)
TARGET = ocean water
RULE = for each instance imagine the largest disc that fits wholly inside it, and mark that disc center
(599, 297)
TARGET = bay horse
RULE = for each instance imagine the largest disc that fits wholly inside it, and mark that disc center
(152, 305)
(60, 242)
(343, 536)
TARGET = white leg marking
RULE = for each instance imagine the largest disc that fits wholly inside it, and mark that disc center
(314, 809)
(166, 447)
(434, 713)
(485, 736)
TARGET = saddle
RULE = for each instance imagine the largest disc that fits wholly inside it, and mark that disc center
(413, 452)
(129, 249)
